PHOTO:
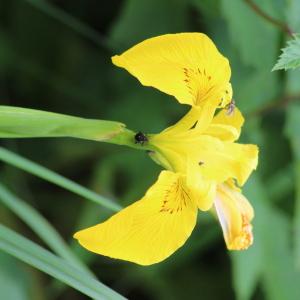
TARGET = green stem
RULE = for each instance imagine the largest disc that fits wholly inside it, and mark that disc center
(19, 122)
(126, 138)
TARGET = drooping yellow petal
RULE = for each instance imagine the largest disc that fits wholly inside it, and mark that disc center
(235, 214)
(226, 126)
(149, 230)
(187, 66)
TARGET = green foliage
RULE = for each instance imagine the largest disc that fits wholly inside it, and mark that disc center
(292, 12)
(40, 225)
(290, 57)
(292, 132)
(29, 252)
(252, 52)
(33, 168)
(13, 281)
(250, 35)
(279, 277)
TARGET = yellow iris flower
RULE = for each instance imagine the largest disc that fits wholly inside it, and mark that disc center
(201, 159)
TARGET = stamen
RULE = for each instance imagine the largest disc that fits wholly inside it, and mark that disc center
(198, 83)
(245, 239)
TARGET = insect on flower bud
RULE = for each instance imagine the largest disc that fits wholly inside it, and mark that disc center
(140, 138)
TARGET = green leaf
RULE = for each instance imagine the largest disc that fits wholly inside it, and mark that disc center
(247, 266)
(23, 122)
(292, 130)
(264, 260)
(292, 14)
(280, 183)
(255, 39)
(290, 57)
(281, 280)
(272, 235)
(247, 97)
(13, 279)
(34, 255)
(40, 226)
(247, 270)
(48, 175)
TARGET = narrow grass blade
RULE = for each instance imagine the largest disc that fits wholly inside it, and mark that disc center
(34, 255)
(40, 226)
(48, 175)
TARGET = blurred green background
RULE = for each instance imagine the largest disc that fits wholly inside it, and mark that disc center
(55, 56)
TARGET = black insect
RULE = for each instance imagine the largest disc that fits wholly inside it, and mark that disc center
(140, 138)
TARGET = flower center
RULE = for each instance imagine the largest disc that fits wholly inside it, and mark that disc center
(198, 83)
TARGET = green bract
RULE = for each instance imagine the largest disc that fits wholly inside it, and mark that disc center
(17, 122)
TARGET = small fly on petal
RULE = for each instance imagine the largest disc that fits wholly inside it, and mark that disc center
(230, 108)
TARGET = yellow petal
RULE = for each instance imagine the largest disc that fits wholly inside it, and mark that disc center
(171, 159)
(203, 190)
(197, 117)
(235, 119)
(244, 160)
(226, 126)
(173, 143)
(235, 214)
(149, 230)
(223, 132)
(187, 66)
(223, 160)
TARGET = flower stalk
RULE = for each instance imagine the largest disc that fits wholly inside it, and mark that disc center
(17, 122)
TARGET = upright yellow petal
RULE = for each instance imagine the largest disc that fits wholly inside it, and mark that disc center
(203, 190)
(198, 117)
(235, 214)
(149, 230)
(234, 119)
(226, 126)
(187, 66)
